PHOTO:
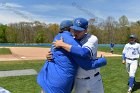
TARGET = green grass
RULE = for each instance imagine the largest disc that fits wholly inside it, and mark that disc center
(114, 77)
(117, 50)
(5, 51)
(21, 84)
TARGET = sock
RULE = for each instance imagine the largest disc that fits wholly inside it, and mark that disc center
(131, 81)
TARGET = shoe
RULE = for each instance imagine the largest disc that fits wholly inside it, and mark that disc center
(129, 90)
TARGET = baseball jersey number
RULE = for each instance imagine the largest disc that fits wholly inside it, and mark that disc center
(134, 53)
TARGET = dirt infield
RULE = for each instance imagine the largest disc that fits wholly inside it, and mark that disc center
(35, 53)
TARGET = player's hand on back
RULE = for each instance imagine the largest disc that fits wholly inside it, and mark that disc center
(58, 43)
(49, 56)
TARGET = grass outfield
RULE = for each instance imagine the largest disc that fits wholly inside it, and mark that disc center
(117, 50)
(21, 84)
(5, 51)
(114, 77)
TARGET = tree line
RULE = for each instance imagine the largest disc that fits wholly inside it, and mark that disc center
(109, 30)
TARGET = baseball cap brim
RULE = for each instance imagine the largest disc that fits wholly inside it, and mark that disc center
(132, 37)
(77, 28)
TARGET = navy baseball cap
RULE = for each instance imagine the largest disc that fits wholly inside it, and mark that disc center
(80, 24)
(66, 23)
(132, 36)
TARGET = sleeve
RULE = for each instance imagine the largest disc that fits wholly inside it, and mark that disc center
(87, 50)
(79, 51)
(100, 62)
(139, 49)
(124, 52)
(91, 45)
(123, 56)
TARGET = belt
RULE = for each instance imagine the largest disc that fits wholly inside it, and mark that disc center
(132, 58)
(90, 77)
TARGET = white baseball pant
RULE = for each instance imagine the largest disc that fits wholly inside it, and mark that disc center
(92, 85)
(131, 67)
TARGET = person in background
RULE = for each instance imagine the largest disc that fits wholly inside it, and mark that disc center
(111, 47)
(131, 53)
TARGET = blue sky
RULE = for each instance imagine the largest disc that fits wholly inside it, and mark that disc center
(54, 11)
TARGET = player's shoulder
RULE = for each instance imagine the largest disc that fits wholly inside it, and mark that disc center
(93, 37)
(138, 44)
(127, 45)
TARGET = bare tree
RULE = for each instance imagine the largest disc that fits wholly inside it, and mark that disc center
(110, 25)
(124, 28)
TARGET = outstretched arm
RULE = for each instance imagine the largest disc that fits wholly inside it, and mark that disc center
(76, 50)
(100, 62)
(92, 64)
(84, 62)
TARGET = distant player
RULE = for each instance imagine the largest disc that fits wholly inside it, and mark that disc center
(111, 47)
(131, 54)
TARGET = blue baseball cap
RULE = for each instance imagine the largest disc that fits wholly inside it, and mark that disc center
(80, 24)
(132, 36)
(66, 23)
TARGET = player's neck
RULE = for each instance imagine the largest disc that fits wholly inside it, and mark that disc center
(132, 43)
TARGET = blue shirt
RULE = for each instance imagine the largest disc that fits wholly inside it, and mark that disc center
(111, 45)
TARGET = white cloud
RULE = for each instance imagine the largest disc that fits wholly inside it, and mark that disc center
(15, 16)
(10, 17)
(53, 7)
(98, 1)
(69, 11)
(10, 13)
(44, 7)
(14, 5)
(10, 5)
(51, 13)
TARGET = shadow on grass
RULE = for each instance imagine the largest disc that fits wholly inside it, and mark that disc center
(136, 86)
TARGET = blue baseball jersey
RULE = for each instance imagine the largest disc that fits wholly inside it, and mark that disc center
(57, 76)
(111, 45)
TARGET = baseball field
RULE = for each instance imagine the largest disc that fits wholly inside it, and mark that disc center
(114, 74)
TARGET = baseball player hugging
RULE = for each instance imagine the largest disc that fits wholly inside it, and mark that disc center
(130, 56)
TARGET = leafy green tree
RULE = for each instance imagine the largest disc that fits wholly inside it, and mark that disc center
(3, 38)
(40, 37)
